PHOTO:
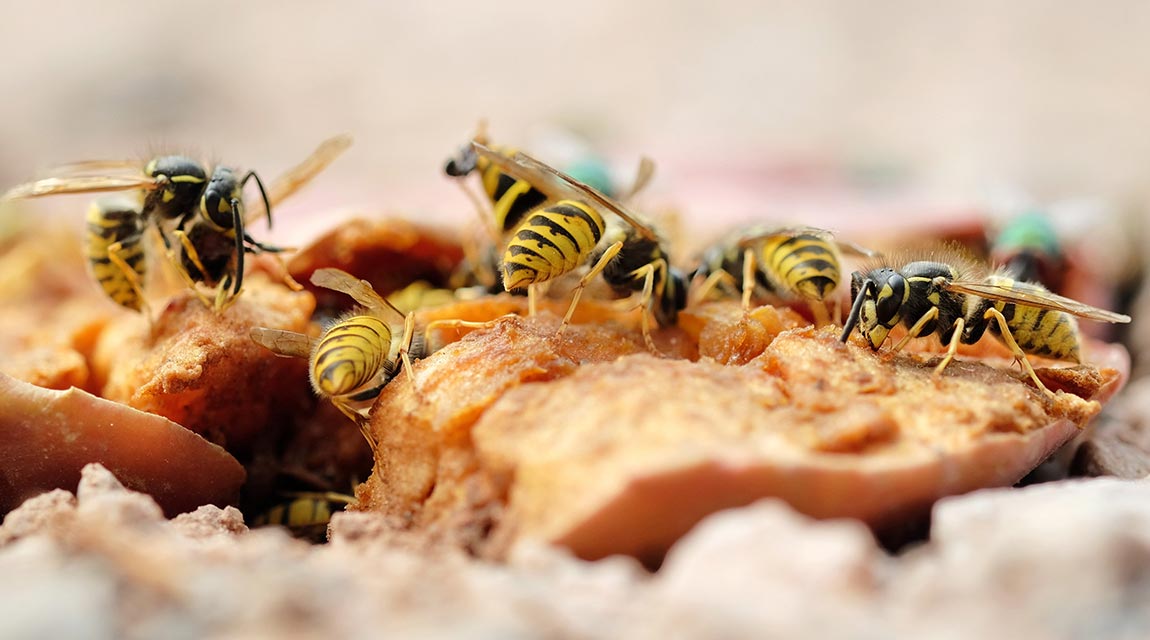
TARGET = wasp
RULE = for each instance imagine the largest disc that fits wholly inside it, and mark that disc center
(199, 215)
(511, 199)
(956, 301)
(305, 514)
(555, 239)
(789, 263)
(359, 353)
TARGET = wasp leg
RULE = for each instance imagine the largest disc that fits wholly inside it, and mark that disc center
(114, 257)
(820, 311)
(952, 348)
(1019, 354)
(748, 278)
(360, 421)
(532, 295)
(607, 256)
(194, 256)
(713, 281)
(457, 324)
(917, 328)
(404, 352)
(223, 298)
(647, 272)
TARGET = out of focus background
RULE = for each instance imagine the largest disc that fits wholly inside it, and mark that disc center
(847, 114)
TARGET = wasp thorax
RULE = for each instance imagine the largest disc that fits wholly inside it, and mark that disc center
(181, 181)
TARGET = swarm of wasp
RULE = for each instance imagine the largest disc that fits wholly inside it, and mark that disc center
(956, 299)
(199, 215)
(788, 263)
(569, 231)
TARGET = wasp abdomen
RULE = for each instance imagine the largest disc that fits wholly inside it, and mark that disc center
(551, 242)
(112, 221)
(350, 355)
(805, 264)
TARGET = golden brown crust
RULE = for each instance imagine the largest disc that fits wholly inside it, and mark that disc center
(586, 440)
(200, 368)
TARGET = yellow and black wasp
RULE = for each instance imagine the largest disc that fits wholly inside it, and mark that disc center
(788, 263)
(305, 514)
(199, 216)
(511, 199)
(554, 239)
(956, 299)
(358, 354)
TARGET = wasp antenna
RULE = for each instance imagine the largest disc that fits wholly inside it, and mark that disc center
(856, 308)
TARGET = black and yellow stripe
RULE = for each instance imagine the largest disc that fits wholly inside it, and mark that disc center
(350, 355)
(512, 198)
(1040, 332)
(805, 265)
(114, 225)
(551, 242)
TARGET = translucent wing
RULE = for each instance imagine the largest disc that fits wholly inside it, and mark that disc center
(281, 342)
(295, 178)
(79, 184)
(642, 178)
(360, 290)
(556, 183)
(1033, 296)
(95, 168)
(756, 235)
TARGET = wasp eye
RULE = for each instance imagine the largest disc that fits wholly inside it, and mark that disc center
(889, 298)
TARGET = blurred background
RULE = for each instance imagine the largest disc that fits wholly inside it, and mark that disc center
(847, 114)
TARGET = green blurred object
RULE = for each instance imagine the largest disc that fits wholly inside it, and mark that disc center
(1031, 230)
(592, 171)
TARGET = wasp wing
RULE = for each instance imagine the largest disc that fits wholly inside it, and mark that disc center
(95, 168)
(360, 290)
(556, 183)
(1032, 295)
(643, 178)
(756, 235)
(282, 342)
(78, 184)
(298, 176)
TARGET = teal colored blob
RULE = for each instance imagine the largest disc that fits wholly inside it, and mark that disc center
(593, 172)
(1031, 230)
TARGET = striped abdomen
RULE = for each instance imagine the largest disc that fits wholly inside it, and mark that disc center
(1040, 332)
(350, 356)
(113, 221)
(804, 265)
(552, 241)
(512, 198)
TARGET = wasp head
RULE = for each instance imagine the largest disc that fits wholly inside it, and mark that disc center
(462, 164)
(878, 297)
(222, 191)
